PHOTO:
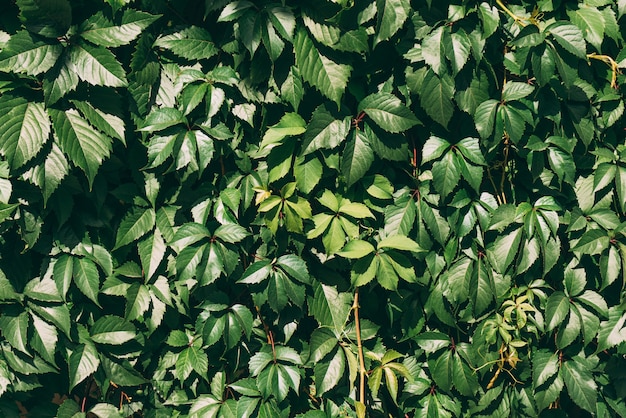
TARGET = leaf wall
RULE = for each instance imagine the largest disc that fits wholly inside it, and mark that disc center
(312, 208)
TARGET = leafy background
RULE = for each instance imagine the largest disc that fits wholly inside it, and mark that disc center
(312, 208)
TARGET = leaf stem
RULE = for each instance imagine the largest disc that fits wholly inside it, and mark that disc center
(516, 18)
(611, 63)
(359, 345)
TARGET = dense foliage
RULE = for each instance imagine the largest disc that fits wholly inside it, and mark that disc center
(312, 208)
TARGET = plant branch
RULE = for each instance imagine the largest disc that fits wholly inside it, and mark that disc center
(359, 345)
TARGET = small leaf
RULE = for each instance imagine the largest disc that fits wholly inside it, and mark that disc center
(324, 131)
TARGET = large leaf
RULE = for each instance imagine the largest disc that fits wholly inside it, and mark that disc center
(85, 146)
(97, 66)
(24, 53)
(391, 17)
(101, 31)
(24, 127)
(111, 329)
(134, 225)
(318, 70)
(193, 43)
(48, 176)
(87, 278)
(330, 307)
(357, 157)
(436, 98)
(569, 36)
(580, 384)
(83, 362)
(324, 131)
(388, 112)
(50, 18)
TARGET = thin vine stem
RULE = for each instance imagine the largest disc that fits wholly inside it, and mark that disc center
(359, 345)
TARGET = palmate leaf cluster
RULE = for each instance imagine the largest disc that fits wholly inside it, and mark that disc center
(312, 208)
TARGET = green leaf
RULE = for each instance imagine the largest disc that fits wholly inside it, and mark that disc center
(356, 158)
(446, 174)
(193, 43)
(111, 329)
(545, 365)
(485, 116)
(329, 306)
(26, 54)
(391, 17)
(434, 148)
(612, 332)
(464, 378)
(400, 217)
(87, 278)
(85, 146)
(105, 410)
(594, 241)
(308, 173)
(505, 249)
(191, 359)
(328, 373)
(162, 118)
(324, 131)
(557, 309)
(24, 129)
(470, 149)
(43, 290)
(400, 242)
(441, 370)
(388, 112)
(136, 223)
(82, 362)
(436, 97)
(256, 272)
(151, 252)
(591, 21)
(101, 31)
(515, 90)
(58, 315)
(109, 124)
(326, 75)
(15, 330)
(50, 18)
(292, 90)
(97, 66)
(580, 385)
(356, 249)
(295, 267)
(291, 124)
(569, 36)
